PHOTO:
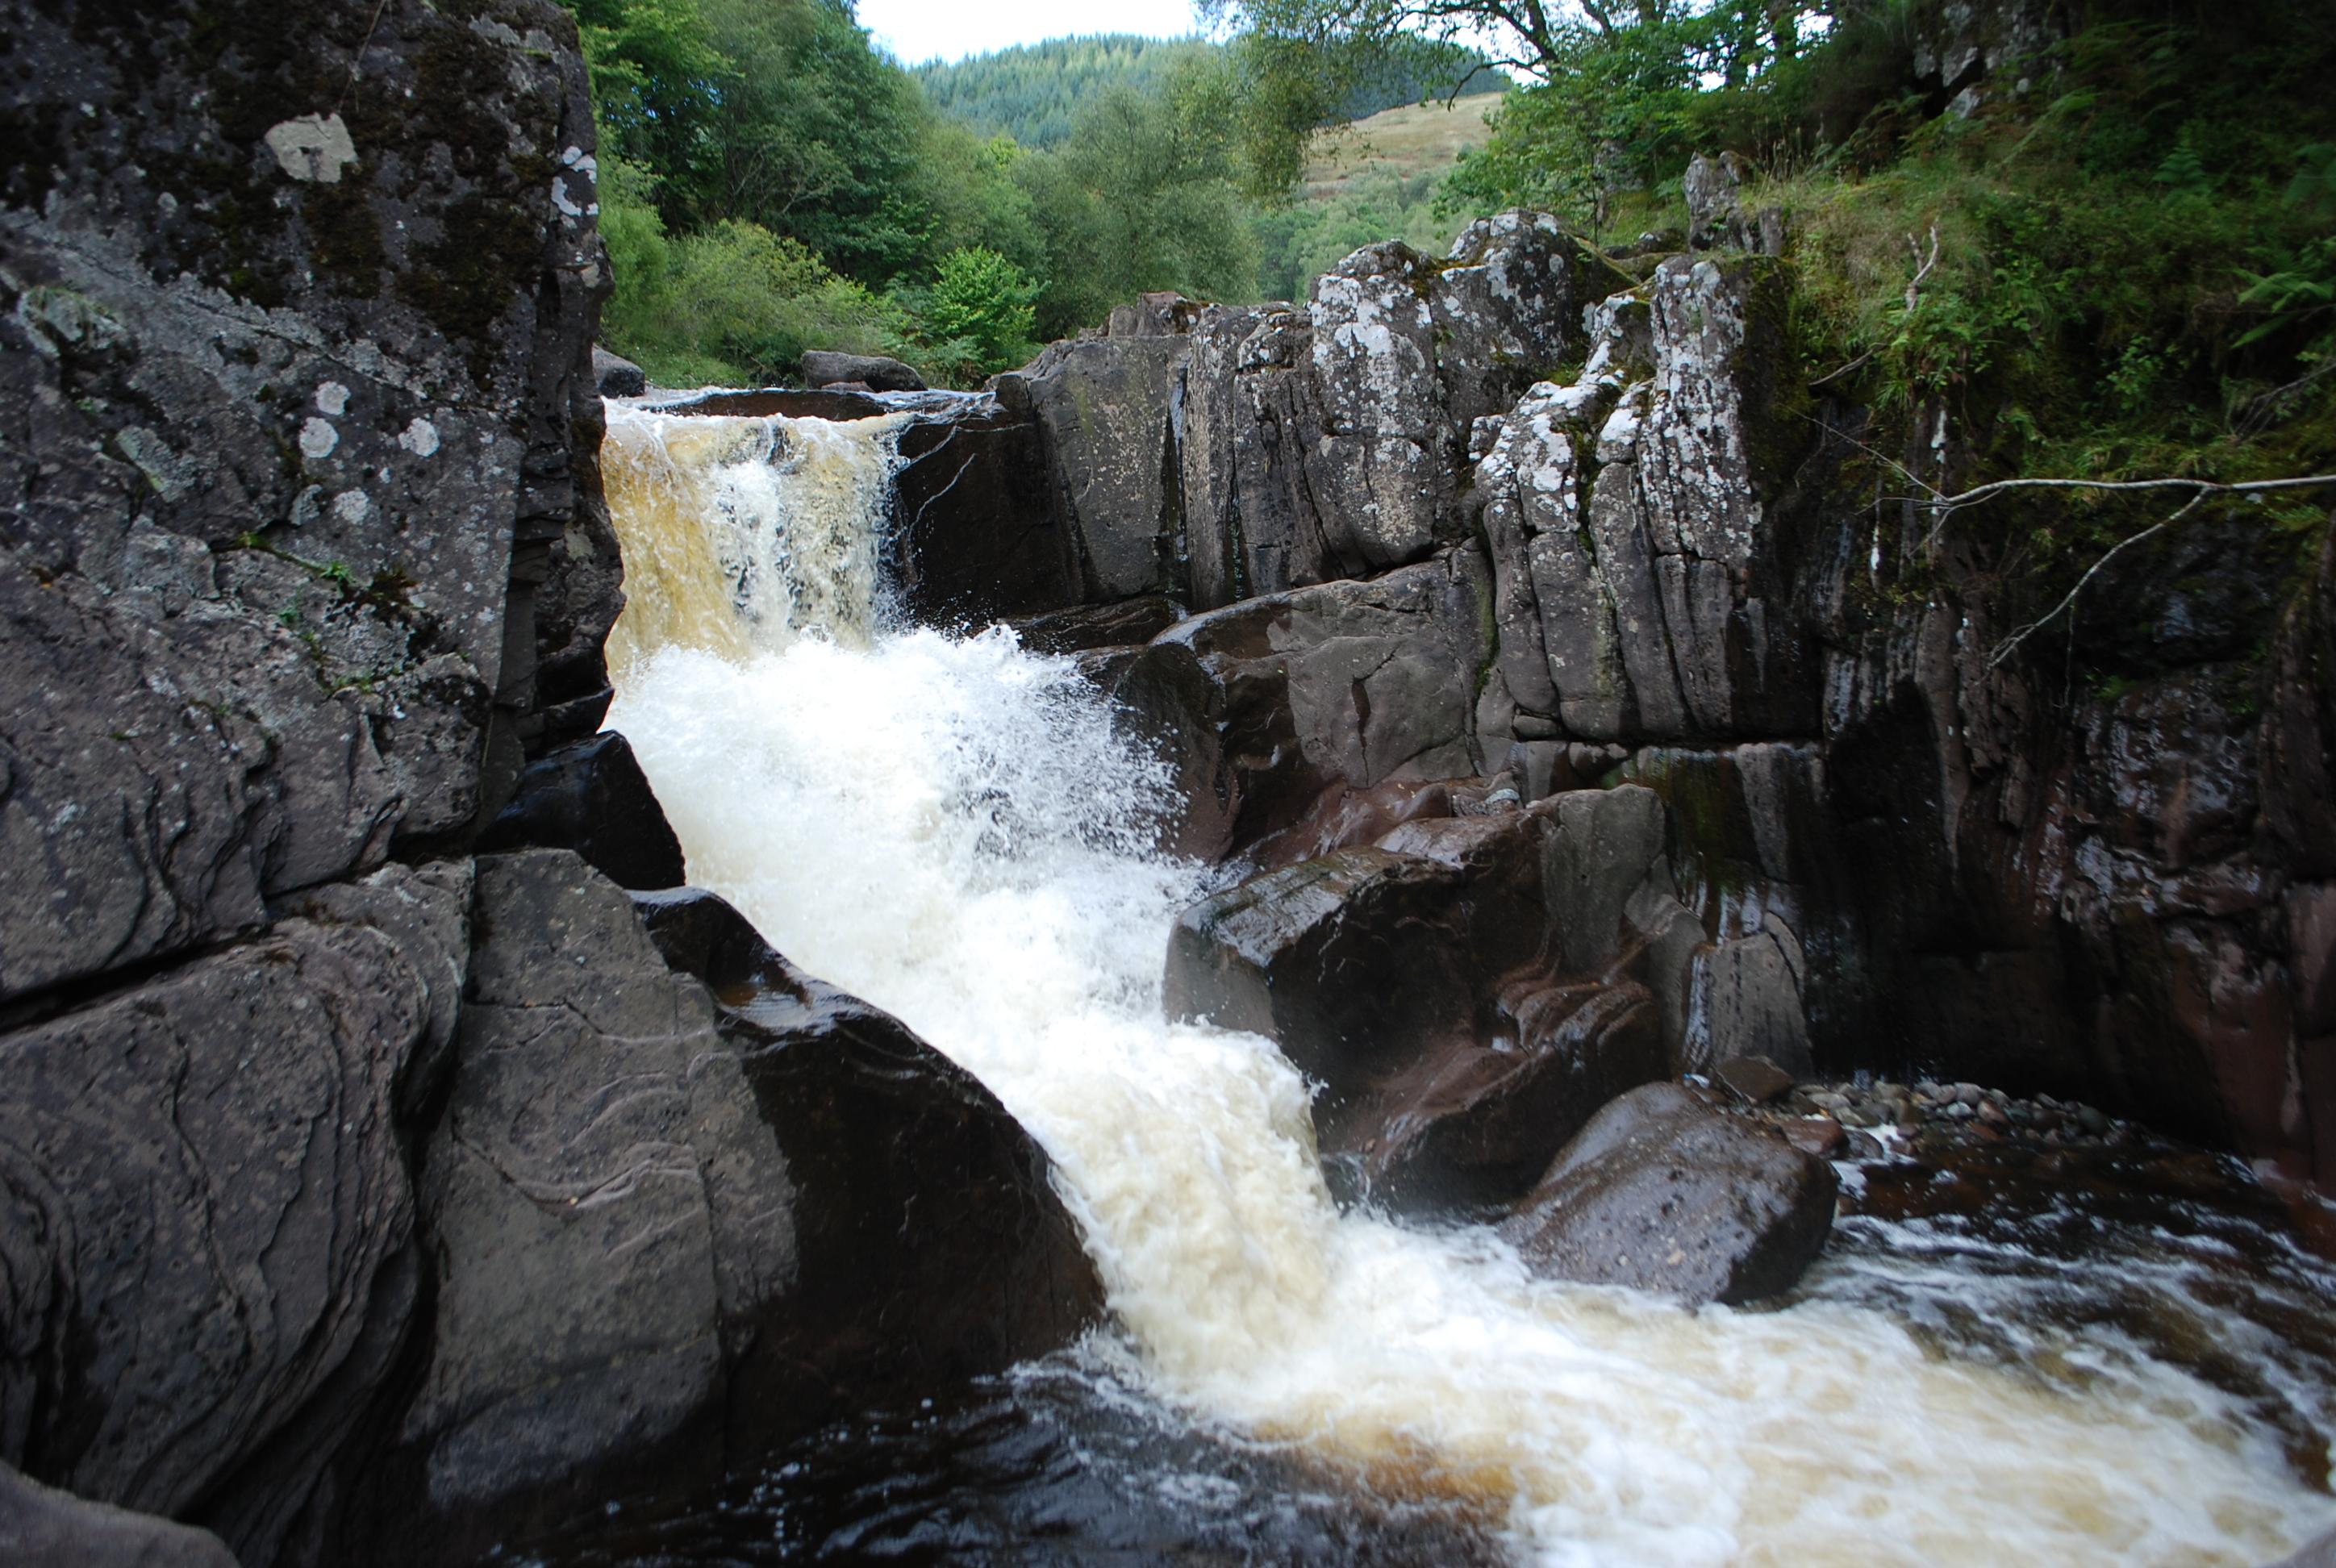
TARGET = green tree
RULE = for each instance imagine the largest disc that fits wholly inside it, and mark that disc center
(984, 300)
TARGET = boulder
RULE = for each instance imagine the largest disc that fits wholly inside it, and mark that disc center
(1351, 964)
(869, 372)
(934, 1254)
(1473, 1123)
(617, 376)
(211, 1266)
(1661, 1192)
(44, 1528)
(1350, 684)
(660, 1230)
(592, 797)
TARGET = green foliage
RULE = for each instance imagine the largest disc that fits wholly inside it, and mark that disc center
(1138, 199)
(1298, 242)
(984, 300)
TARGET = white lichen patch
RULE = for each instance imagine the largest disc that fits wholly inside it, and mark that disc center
(420, 438)
(351, 507)
(314, 148)
(317, 439)
(332, 399)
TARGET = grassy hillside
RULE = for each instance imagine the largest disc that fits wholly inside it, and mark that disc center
(1414, 140)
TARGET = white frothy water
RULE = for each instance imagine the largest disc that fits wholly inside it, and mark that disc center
(949, 827)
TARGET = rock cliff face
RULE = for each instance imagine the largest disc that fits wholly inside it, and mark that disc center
(359, 1190)
(1881, 846)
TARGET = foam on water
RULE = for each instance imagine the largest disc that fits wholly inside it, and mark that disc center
(949, 827)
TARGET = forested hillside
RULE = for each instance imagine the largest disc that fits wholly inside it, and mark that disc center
(1034, 93)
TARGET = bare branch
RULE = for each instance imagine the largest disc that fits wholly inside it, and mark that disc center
(1921, 266)
(2205, 487)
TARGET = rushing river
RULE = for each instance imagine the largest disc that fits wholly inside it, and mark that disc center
(948, 826)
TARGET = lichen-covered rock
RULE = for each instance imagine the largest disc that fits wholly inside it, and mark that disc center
(293, 321)
(1328, 440)
(1641, 590)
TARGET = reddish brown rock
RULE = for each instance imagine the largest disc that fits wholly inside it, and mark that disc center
(1661, 1192)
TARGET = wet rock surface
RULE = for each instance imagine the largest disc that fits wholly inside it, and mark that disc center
(1663, 1193)
(591, 797)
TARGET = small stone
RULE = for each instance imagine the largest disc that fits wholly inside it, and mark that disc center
(1755, 1080)
(1827, 1100)
(1993, 1114)
(1819, 1135)
(1961, 1111)
(1970, 1094)
(2095, 1122)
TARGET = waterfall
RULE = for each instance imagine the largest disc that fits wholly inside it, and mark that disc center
(948, 826)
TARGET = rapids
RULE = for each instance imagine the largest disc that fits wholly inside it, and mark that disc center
(948, 826)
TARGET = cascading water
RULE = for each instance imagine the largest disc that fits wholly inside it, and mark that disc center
(948, 826)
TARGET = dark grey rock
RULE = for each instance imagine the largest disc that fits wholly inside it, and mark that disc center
(592, 797)
(1127, 624)
(1349, 963)
(1714, 203)
(44, 1528)
(603, 1200)
(1599, 846)
(613, 376)
(211, 1263)
(873, 372)
(1344, 683)
(1105, 407)
(661, 1229)
(1664, 1193)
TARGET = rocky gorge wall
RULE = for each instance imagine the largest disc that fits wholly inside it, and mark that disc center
(375, 1170)
(1546, 519)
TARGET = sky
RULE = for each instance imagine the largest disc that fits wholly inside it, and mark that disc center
(916, 31)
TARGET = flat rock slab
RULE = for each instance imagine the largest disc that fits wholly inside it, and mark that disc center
(1755, 1080)
(1662, 1192)
(41, 1527)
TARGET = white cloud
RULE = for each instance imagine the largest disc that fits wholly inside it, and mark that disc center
(921, 30)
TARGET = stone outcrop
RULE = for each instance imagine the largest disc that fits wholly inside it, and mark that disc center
(353, 1184)
(1663, 1193)
(1884, 846)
